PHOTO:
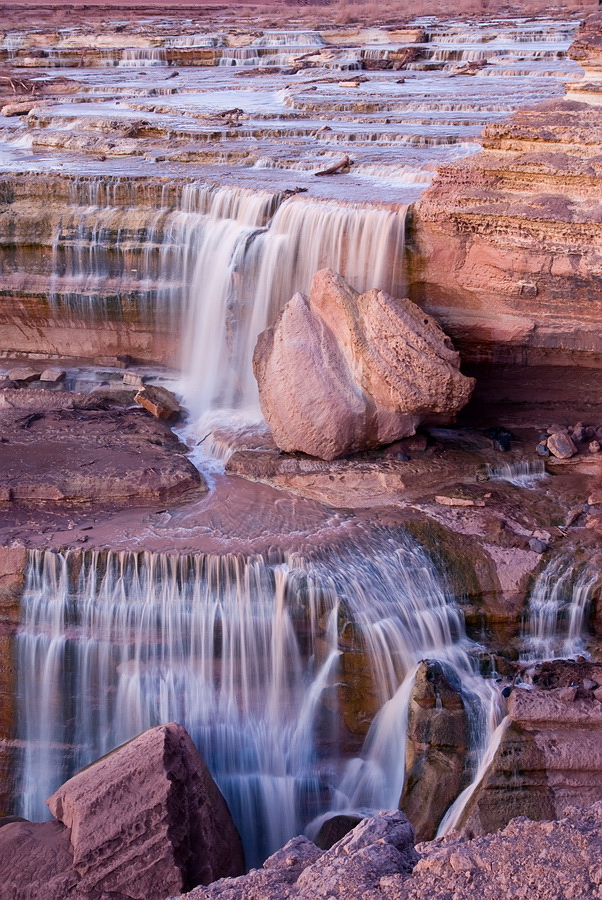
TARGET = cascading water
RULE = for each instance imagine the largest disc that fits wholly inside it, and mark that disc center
(241, 264)
(557, 610)
(246, 653)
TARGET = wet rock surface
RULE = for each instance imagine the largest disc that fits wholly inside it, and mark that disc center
(438, 738)
(70, 447)
(550, 757)
(341, 371)
(143, 821)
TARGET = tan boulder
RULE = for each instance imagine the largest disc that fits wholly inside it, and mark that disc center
(158, 401)
(341, 372)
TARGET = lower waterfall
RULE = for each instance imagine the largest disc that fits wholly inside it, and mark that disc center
(247, 653)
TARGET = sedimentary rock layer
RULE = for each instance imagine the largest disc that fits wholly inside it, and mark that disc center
(507, 244)
(549, 758)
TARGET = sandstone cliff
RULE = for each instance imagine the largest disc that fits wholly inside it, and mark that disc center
(507, 244)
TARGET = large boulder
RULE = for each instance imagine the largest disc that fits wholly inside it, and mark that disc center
(341, 372)
(143, 821)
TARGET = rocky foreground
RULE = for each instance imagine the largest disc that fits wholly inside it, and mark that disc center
(148, 818)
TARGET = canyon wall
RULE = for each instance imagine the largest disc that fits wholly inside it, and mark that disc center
(506, 245)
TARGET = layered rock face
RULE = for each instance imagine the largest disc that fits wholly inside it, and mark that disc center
(341, 371)
(508, 242)
(143, 821)
(550, 755)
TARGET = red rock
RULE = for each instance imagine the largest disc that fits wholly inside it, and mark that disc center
(341, 372)
(152, 800)
(142, 822)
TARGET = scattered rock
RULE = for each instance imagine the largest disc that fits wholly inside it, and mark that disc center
(340, 372)
(132, 379)
(537, 545)
(143, 821)
(53, 376)
(23, 375)
(159, 401)
(542, 449)
(561, 446)
(594, 446)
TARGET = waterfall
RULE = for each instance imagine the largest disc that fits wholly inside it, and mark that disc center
(241, 266)
(248, 654)
(520, 474)
(557, 610)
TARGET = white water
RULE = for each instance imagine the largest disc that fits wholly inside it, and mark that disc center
(557, 610)
(245, 654)
(520, 474)
(242, 264)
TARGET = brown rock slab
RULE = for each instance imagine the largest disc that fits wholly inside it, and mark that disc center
(437, 743)
(159, 401)
(550, 755)
(23, 375)
(561, 446)
(53, 375)
(143, 821)
(70, 447)
(341, 372)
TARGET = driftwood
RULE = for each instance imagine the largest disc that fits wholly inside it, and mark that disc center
(340, 168)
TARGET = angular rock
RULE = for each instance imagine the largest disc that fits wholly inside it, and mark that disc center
(53, 375)
(144, 820)
(561, 446)
(341, 372)
(543, 860)
(133, 379)
(23, 375)
(594, 446)
(152, 799)
(378, 847)
(159, 401)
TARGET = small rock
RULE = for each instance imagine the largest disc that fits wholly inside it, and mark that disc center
(578, 432)
(159, 401)
(558, 429)
(567, 694)
(458, 501)
(537, 545)
(594, 446)
(132, 379)
(595, 498)
(114, 362)
(53, 375)
(542, 449)
(561, 446)
(24, 375)
(589, 684)
(598, 694)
